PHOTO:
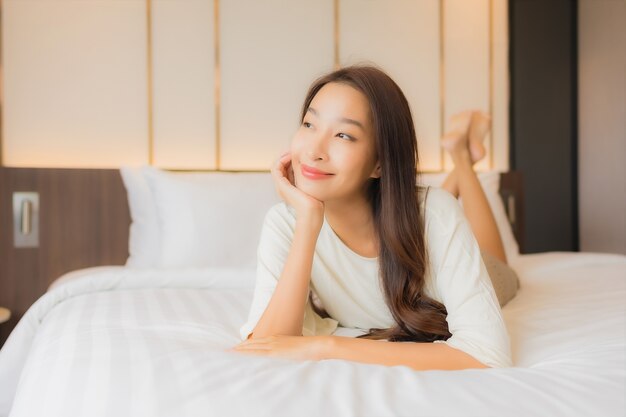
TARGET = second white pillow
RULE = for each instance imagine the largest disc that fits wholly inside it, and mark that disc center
(210, 219)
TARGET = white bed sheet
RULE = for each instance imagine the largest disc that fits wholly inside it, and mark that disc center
(115, 341)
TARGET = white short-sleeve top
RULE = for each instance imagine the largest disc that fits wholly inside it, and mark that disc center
(348, 285)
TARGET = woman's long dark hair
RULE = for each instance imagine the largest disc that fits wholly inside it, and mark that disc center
(395, 206)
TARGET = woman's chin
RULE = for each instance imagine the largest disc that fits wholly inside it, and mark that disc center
(311, 188)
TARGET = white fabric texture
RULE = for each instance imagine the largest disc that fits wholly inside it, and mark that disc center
(349, 287)
(144, 239)
(158, 199)
(210, 219)
(195, 219)
(126, 342)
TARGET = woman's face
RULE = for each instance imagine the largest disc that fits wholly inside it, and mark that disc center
(336, 136)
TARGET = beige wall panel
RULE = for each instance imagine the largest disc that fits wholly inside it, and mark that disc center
(271, 50)
(466, 56)
(500, 126)
(408, 50)
(74, 83)
(183, 67)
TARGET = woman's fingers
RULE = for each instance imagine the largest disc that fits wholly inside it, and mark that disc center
(260, 344)
(286, 168)
(284, 181)
(282, 169)
(254, 347)
(280, 172)
(281, 164)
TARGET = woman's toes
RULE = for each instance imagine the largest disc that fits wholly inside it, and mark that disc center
(461, 121)
(456, 137)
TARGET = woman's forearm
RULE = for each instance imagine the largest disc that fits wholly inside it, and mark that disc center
(419, 356)
(284, 314)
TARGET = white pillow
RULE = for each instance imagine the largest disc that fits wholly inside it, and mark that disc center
(158, 201)
(163, 206)
(144, 238)
(490, 182)
(211, 218)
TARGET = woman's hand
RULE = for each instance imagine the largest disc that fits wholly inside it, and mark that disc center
(291, 347)
(305, 205)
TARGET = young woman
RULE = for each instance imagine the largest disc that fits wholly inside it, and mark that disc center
(396, 262)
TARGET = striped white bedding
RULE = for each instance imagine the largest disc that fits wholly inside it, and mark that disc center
(121, 342)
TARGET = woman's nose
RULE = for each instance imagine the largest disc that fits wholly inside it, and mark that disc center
(317, 149)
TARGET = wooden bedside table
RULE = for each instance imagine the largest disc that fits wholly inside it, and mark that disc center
(5, 314)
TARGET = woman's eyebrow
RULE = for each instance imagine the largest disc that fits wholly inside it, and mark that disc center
(342, 120)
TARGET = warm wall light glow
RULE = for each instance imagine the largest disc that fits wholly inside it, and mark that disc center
(67, 156)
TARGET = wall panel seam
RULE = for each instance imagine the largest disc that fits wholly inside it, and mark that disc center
(216, 37)
(149, 82)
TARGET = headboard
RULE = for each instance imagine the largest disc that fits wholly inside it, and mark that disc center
(84, 221)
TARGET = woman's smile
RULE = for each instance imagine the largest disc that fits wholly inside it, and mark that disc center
(314, 174)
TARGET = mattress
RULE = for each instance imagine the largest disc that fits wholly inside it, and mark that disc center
(119, 341)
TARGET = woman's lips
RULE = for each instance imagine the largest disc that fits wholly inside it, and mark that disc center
(314, 174)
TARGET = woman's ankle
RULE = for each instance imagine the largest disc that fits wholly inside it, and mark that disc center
(462, 157)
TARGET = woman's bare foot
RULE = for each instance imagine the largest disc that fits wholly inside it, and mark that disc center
(479, 127)
(457, 138)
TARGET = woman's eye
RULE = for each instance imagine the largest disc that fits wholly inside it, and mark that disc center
(306, 124)
(344, 136)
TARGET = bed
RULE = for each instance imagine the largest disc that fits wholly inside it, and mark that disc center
(152, 337)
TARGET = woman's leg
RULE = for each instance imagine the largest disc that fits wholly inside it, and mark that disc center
(476, 207)
(463, 182)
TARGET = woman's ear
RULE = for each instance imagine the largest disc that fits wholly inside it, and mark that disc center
(376, 172)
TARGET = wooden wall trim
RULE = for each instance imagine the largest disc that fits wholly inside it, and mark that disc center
(84, 221)
(512, 185)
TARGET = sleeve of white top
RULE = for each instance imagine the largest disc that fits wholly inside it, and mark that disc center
(462, 281)
(274, 245)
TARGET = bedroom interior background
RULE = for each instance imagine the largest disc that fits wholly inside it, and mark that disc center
(132, 78)
(172, 86)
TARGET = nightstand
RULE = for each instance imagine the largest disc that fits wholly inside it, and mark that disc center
(5, 314)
